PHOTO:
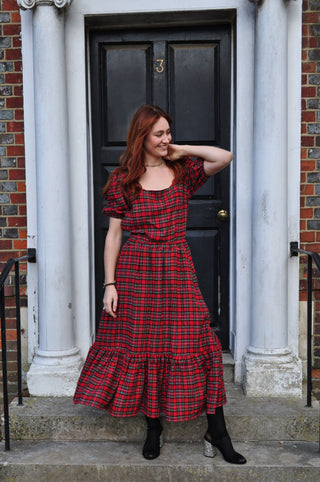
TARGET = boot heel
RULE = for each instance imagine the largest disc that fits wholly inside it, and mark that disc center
(209, 450)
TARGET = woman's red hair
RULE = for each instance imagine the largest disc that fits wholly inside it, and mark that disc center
(132, 160)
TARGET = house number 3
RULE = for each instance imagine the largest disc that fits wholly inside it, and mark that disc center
(160, 67)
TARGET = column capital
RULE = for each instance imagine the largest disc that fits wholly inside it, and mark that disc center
(29, 4)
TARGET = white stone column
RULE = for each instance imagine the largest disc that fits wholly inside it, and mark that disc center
(56, 366)
(270, 367)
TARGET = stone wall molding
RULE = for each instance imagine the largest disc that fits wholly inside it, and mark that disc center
(29, 4)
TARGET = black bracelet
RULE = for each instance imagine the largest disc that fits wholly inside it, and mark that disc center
(109, 284)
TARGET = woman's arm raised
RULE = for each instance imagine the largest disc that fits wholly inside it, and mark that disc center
(111, 253)
(215, 158)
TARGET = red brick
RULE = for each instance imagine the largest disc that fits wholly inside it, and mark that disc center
(310, 17)
(304, 54)
(308, 116)
(15, 151)
(21, 186)
(18, 114)
(303, 104)
(309, 67)
(303, 177)
(313, 42)
(306, 213)
(306, 165)
(307, 237)
(15, 54)
(19, 138)
(21, 162)
(5, 256)
(9, 29)
(22, 235)
(304, 154)
(18, 198)
(307, 189)
(302, 225)
(5, 244)
(13, 102)
(15, 17)
(302, 201)
(304, 79)
(16, 174)
(11, 335)
(9, 5)
(15, 126)
(18, 66)
(14, 221)
(13, 78)
(20, 244)
(305, 42)
(318, 236)
(22, 208)
(314, 247)
(308, 91)
(317, 306)
(307, 141)
(303, 296)
(16, 42)
(18, 90)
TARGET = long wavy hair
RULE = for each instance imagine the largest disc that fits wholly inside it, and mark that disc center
(132, 160)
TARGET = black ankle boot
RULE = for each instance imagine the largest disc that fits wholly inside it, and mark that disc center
(218, 437)
(154, 441)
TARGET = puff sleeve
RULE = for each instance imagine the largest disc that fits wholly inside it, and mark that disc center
(116, 206)
(195, 176)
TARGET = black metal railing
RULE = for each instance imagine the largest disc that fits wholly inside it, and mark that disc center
(31, 257)
(312, 256)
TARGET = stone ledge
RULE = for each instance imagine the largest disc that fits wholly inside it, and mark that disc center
(248, 419)
(111, 461)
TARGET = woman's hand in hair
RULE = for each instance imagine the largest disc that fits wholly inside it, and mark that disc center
(175, 152)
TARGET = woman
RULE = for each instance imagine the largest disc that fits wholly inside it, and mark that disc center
(154, 351)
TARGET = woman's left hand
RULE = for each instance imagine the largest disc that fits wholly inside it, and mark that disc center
(175, 152)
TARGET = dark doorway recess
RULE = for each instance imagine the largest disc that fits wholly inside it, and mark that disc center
(186, 70)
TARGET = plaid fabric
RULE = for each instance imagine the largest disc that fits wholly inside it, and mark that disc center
(159, 355)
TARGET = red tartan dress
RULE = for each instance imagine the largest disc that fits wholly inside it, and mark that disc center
(159, 355)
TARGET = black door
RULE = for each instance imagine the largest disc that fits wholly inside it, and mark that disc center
(186, 71)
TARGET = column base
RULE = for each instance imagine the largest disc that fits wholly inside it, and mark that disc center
(54, 373)
(272, 373)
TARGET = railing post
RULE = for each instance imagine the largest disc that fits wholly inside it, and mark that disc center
(309, 331)
(4, 371)
(18, 327)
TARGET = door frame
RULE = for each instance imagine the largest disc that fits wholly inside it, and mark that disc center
(172, 19)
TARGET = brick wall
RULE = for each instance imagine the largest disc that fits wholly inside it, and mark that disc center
(13, 222)
(310, 154)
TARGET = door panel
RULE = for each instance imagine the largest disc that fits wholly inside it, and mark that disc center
(186, 71)
(126, 83)
(193, 91)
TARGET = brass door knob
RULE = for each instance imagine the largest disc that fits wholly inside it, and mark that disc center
(223, 215)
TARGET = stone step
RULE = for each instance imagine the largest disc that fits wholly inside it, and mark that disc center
(123, 462)
(248, 419)
(228, 367)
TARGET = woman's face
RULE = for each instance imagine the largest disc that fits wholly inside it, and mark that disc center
(158, 139)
